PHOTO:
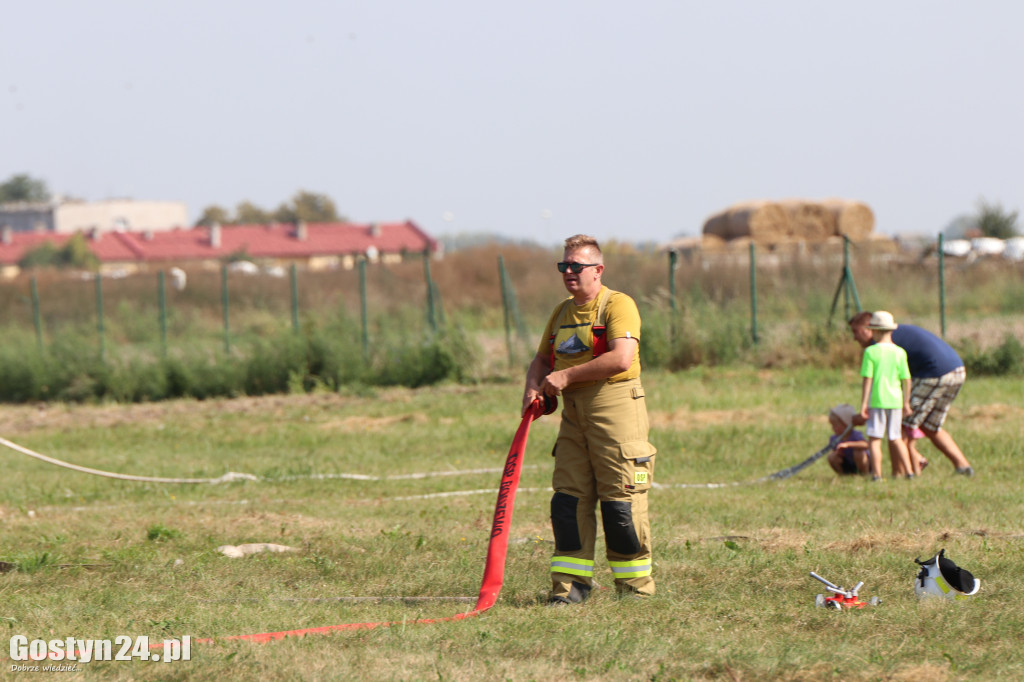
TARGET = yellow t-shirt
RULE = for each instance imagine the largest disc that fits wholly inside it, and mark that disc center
(574, 339)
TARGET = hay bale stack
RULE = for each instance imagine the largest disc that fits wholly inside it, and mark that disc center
(854, 219)
(712, 242)
(774, 222)
(717, 226)
(808, 220)
(762, 221)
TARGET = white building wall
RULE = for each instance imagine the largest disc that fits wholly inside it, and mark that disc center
(113, 215)
(105, 216)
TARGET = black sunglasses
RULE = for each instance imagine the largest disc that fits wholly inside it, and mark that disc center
(576, 268)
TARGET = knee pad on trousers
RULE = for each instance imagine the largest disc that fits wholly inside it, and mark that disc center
(563, 523)
(619, 533)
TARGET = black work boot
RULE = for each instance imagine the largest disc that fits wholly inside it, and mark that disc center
(578, 594)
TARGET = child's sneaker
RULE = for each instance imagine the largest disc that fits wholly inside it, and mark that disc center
(965, 471)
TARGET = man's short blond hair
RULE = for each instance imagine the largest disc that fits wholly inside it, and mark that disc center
(581, 241)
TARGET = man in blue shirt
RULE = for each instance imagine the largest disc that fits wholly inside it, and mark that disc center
(938, 375)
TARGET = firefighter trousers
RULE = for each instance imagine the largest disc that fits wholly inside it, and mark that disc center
(602, 458)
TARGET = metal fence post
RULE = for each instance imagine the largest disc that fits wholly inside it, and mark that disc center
(503, 276)
(851, 286)
(36, 317)
(363, 309)
(162, 298)
(99, 316)
(431, 303)
(224, 305)
(753, 293)
(942, 285)
(673, 263)
(295, 298)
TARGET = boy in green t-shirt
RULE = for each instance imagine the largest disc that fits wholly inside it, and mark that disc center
(885, 396)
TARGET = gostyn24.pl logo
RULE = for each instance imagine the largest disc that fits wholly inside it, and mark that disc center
(121, 648)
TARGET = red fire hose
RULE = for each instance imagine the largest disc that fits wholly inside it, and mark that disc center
(494, 569)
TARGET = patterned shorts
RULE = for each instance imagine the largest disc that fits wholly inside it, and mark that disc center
(931, 397)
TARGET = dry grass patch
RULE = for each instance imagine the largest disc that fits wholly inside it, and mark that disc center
(874, 541)
(684, 419)
(994, 413)
(356, 424)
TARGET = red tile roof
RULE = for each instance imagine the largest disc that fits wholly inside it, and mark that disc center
(257, 241)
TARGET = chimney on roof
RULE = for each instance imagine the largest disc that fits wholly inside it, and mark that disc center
(301, 231)
(94, 234)
(215, 235)
(147, 235)
(374, 229)
(6, 234)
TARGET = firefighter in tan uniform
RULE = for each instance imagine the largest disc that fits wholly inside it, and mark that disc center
(589, 355)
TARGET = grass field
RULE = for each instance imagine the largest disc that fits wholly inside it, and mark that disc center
(95, 558)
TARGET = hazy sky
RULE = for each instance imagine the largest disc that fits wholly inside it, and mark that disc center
(628, 121)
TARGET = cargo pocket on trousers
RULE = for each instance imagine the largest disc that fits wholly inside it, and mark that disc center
(639, 465)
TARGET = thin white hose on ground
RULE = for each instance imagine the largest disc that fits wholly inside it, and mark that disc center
(233, 476)
(228, 477)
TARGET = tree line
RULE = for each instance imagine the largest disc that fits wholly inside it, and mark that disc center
(311, 207)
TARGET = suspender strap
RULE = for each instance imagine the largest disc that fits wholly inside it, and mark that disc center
(600, 340)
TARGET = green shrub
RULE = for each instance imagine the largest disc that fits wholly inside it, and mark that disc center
(22, 376)
(286, 362)
(710, 335)
(75, 253)
(271, 362)
(655, 333)
(180, 378)
(220, 377)
(1005, 359)
(417, 363)
(138, 380)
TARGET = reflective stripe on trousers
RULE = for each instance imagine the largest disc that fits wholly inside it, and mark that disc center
(630, 569)
(573, 566)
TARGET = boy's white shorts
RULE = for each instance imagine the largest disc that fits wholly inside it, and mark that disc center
(884, 423)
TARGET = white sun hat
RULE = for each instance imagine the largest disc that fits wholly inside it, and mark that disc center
(883, 320)
(844, 412)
